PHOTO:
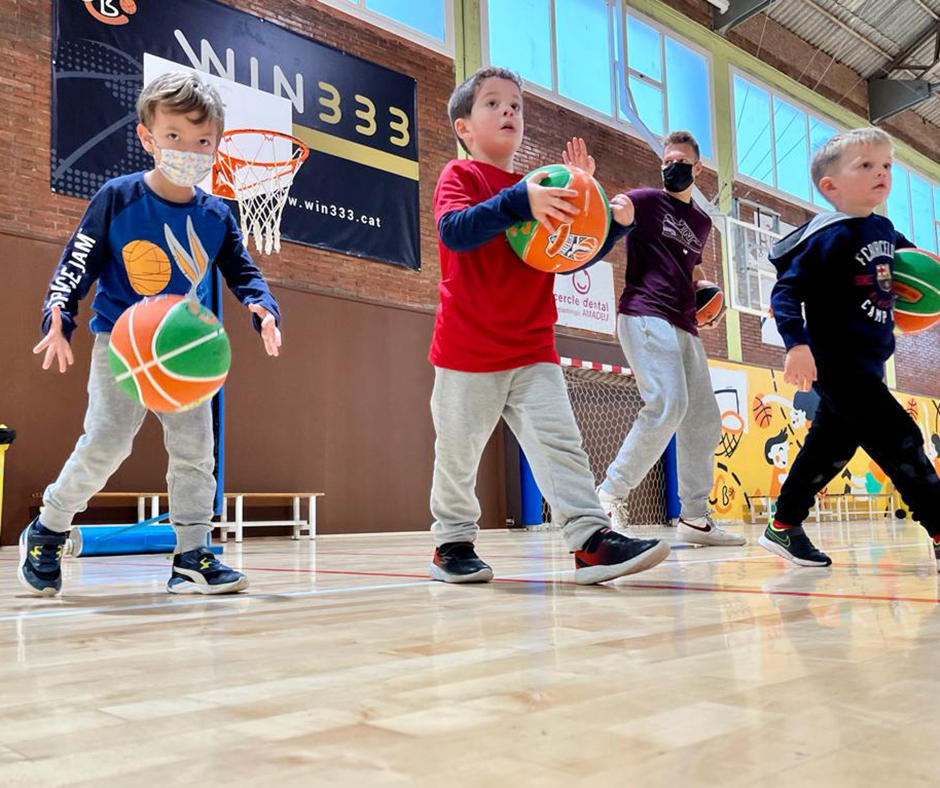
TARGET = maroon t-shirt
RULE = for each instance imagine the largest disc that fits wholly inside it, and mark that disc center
(666, 245)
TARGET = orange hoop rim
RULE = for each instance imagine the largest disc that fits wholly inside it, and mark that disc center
(732, 430)
(294, 161)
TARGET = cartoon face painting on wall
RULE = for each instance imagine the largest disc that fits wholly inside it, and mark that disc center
(777, 453)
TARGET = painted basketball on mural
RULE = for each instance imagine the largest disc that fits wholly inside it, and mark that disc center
(148, 267)
(916, 283)
(169, 353)
(572, 245)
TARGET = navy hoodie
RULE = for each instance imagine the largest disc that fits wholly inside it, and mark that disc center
(839, 267)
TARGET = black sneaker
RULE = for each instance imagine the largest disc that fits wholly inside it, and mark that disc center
(458, 562)
(794, 545)
(200, 572)
(41, 550)
(608, 554)
(936, 553)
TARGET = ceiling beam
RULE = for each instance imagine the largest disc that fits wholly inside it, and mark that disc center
(899, 62)
(738, 11)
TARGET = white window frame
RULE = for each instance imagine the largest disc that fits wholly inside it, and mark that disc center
(358, 10)
(709, 59)
(613, 121)
(753, 182)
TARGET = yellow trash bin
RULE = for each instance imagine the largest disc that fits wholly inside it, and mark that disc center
(7, 436)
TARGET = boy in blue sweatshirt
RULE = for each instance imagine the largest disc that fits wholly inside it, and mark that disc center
(839, 266)
(181, 120)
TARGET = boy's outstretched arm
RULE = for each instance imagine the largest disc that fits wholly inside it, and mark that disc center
(247, 284)
(79, 267)
(786, 302)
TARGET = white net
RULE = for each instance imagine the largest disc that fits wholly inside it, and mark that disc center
(257, 168)
(606, 404)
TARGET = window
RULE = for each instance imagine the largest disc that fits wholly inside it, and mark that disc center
(427, 22)
(914, 208)
(670, 83)
(574, 51)
(775, 140)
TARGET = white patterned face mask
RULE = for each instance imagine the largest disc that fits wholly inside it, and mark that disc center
(184, 167)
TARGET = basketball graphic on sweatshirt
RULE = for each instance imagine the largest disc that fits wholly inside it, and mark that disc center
(148, 267)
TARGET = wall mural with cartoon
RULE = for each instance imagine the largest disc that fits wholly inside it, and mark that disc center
(764, 422)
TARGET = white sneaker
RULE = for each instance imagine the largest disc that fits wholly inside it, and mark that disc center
(615, 508)
(705, 531)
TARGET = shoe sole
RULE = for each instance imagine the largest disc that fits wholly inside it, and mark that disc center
(690, 535)
(591, 575)
(20, 574)
(483, 576)
(188, 587)
(779, 549)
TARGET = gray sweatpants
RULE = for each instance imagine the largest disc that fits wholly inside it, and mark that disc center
(671, 372)
(111, 422)
(533, 400)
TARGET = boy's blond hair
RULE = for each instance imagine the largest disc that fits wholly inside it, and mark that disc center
(181, 92)
(827, 158)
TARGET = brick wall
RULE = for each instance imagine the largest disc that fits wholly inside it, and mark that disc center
(28, 208)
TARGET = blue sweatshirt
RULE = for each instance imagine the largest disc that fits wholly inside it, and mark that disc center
(463, 231)
(134, 243)
(839, 267)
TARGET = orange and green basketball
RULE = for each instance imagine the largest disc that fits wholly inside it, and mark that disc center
(916, 283)
(572, 245)
(169, 353)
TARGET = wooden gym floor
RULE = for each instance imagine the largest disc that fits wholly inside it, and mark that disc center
(343, 665)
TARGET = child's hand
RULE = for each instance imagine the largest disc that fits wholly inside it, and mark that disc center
(800, 367)
(55, 344)
(270, 333)
(576, 155)
(621, 208)
(550, 202)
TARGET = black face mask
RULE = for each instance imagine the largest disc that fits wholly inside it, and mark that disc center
(677, 176)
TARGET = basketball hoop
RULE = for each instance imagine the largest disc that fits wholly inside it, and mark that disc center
(732, 425)
(256, 167)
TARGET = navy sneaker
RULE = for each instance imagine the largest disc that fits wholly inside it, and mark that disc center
(41, 550)
(608, 554)
(794, 545)
(200, 572)
(458, 562)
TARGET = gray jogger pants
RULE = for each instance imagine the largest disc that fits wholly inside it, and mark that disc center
(533, 400)
(671, 372)
(111, 422)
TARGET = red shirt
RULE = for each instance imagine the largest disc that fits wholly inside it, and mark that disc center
(496, 313)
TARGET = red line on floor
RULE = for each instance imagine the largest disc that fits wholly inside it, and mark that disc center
(650, 586)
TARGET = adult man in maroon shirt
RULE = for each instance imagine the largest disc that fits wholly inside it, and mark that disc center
(657, 330)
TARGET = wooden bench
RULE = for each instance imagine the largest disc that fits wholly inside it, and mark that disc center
(225, 526)
(297, 523)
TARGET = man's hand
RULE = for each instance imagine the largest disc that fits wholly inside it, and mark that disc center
(270, 333)
(800, 367)
(55, 344)
(576, 155)
(550, 203)
(621, 208)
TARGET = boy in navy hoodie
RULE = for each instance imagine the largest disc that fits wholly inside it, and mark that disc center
(839, 267)
(181, 120)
